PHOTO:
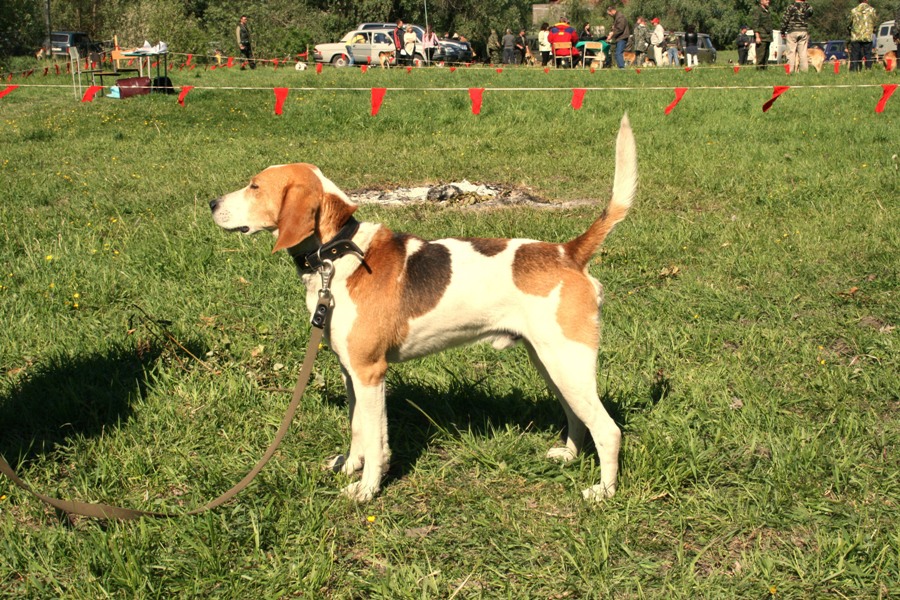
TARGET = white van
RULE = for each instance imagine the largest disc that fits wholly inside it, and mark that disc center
(884, 38)
(777, 48)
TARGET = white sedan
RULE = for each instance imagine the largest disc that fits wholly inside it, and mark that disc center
(365, 47)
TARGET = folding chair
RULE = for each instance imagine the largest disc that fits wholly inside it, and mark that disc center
(557, 46)
(590, 52)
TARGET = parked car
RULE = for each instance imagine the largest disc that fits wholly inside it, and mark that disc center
(368, 44)
(706, 52)
(835, 50)
(61, 41)
(884, 38)
(448, 51)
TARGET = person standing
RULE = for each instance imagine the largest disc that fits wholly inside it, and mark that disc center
(243, 39)
(399, 32)
(691, 39)
(544, 46)
(795, 25)
(863, 20)
(658, 41)
(509, 47)
(410, 40)
(641, 41)
(521, 47)
(673, 48)
(494, 48)
(619, 34)
(743, 45)
(430, 44)
(762, 28)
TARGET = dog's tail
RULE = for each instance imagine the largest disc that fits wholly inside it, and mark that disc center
(582, 248)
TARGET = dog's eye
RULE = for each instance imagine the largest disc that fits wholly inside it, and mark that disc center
(253, 186)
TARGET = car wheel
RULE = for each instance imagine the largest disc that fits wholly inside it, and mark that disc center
(340, 60)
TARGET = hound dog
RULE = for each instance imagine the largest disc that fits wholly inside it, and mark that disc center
(406, 297)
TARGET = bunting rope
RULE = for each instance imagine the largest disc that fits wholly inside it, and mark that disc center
(476, 94)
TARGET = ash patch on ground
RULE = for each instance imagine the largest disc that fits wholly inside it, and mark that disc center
(462, 193)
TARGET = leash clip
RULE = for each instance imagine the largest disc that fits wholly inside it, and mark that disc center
(326, 272)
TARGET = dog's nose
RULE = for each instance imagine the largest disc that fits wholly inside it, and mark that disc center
(214, 203)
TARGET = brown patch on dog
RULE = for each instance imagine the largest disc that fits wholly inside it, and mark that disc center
(539, 268)
(333, 214)
(487, 246)
(386, 297)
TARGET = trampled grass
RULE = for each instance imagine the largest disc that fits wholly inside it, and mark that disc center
(749, 350)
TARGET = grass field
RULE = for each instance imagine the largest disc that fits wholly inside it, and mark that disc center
(750, 351)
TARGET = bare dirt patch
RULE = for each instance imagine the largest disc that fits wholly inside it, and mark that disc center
(462, 193)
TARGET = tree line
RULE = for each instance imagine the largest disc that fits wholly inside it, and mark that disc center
(287, 27)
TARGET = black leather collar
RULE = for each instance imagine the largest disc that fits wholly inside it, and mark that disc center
(341, 245)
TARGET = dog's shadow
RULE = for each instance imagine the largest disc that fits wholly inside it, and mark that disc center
(69, 395)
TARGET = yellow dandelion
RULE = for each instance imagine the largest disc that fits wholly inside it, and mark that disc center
(370, 518)
(76, 295)
(49, 257)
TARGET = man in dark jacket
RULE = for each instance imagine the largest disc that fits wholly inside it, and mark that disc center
(619, 34)
(743, 45)
(242, 33)
(762, 27)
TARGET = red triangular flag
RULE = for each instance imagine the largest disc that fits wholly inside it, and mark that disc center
(130, 62)
(281, 95)
(593, 70)
(318, 68)
(779, 90)
(679, 94)
(57, 68)
(244, 65)
(230, 62)
(46, 70)
(638, 71)
(364, 68)
(737, 68)
(191, 68)
(787, 68)
(184, 92)
(155, 64)
(377, 98)
(476, 95)
(546, 69)
(890, 63)
(8, 89)
(452, 69)
(90, 93)
(578, 97)
(190, 57)
(275, 63)
(889, 89)
(687, 69)
(837, 67)
(499, 70)
(212, 68)
(409, 69)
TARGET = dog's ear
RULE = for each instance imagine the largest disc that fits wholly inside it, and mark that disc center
(333, 213)
(299, 209)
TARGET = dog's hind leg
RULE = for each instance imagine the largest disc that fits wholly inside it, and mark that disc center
(575, 429)
(572, 367)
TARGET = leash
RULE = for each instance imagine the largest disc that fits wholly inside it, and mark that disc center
(107, 512)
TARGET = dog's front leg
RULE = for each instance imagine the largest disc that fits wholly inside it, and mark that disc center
(369, 438)
(351, 462)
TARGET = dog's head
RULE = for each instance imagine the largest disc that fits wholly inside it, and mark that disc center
(293, 201)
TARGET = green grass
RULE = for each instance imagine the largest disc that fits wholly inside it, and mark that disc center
(749, 346)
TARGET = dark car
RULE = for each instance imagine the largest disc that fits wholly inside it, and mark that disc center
(448, 51)
(706, 52)
(835, 50)
(61, 41)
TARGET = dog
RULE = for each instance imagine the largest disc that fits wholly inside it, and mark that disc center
(404, 297)
(816, 58)
(385, 58)
(41, 54)
(529, 57)
(890, 60)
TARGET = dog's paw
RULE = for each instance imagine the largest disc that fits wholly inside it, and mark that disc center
(358, 492)
(343, 464)
(562, 454)
(598, 492)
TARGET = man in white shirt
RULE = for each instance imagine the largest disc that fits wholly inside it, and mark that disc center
(658, 41)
